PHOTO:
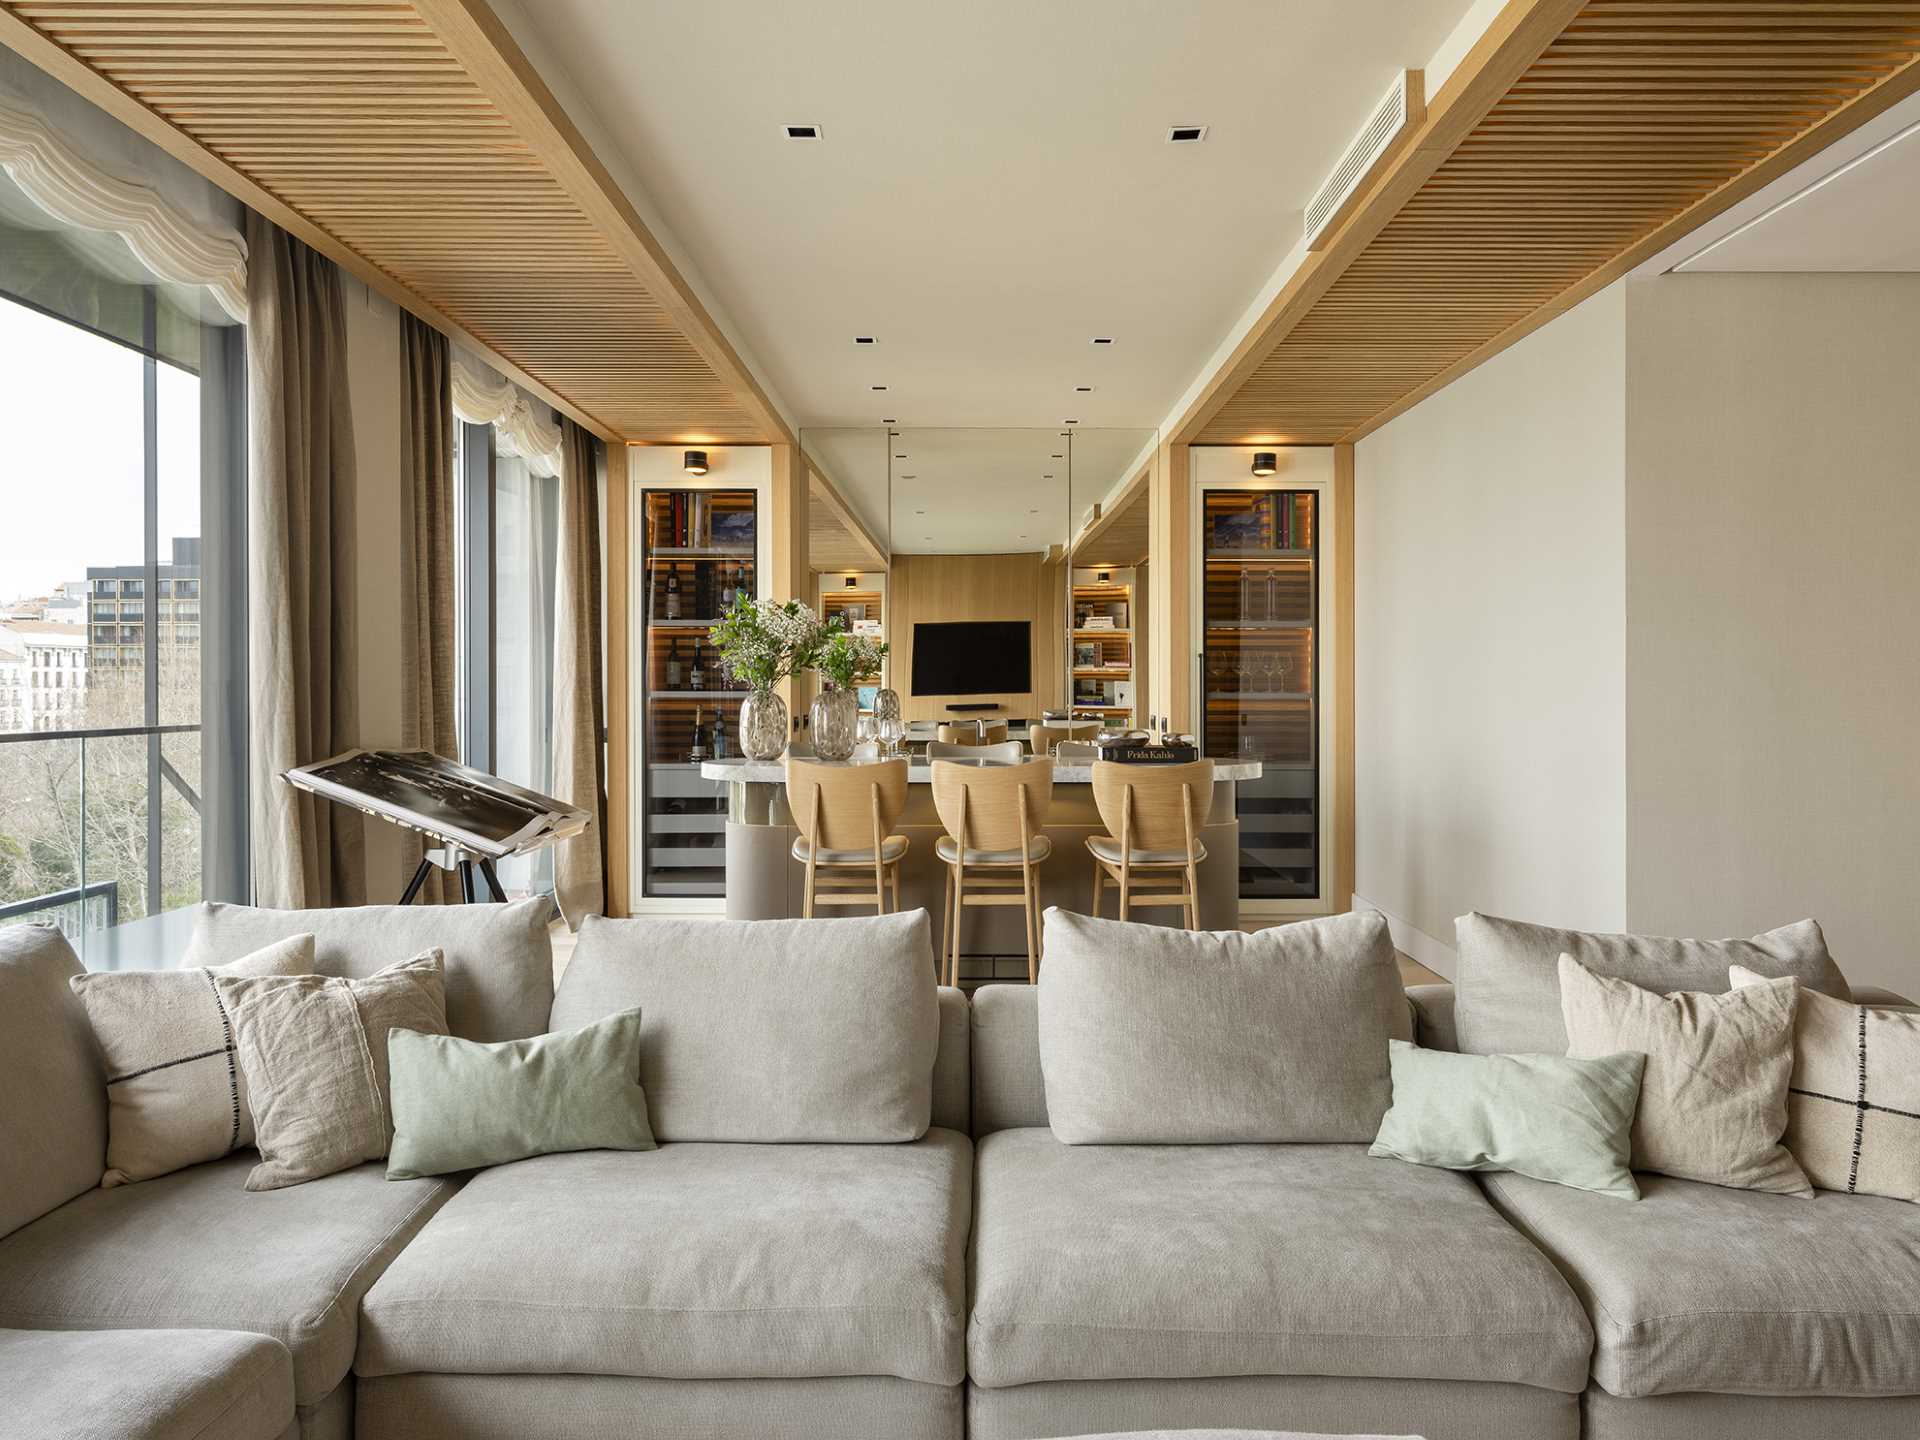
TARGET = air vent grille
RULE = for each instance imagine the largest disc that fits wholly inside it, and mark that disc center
(1399, 109)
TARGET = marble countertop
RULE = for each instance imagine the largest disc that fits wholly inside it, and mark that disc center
(919, 771)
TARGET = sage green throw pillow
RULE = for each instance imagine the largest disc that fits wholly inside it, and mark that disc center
(461, 1105)
(1562, 1120)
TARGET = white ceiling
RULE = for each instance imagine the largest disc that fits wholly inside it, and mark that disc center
(1854, 206)
(994, 186)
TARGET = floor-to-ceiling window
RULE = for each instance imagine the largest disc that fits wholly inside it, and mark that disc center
(507, 529)
(121, 594)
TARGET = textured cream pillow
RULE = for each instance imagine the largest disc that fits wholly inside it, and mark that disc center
(1853, 1107)
(315, 1049)
(176, 1091)
(1713, 1098)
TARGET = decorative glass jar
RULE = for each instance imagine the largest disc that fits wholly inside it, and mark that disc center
(836, 722)
(763, 725)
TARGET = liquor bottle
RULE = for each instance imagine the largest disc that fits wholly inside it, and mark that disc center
(699, 750)
(697, 676)
(726, 589)
(673, 596)
(740, 586)
(719, 735)
(673, 665)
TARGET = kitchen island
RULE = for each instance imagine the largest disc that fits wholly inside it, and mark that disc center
(764, 881)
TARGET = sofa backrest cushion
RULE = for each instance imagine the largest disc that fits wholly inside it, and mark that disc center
(53, 1092)
(953, 1064)
(1009, 1091)
(1507, 976)
(499, 957)
(771, 1031)
(1151, 1035)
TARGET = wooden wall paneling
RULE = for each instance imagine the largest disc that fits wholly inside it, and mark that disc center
(1119, 538)
(413, 144)
(1050, 652)
(1340, 896)
(619, 697)
(933, 588)
(839, 533)
(1172, 642)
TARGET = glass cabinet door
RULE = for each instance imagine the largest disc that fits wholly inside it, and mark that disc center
(700, 549)
(1259, 672)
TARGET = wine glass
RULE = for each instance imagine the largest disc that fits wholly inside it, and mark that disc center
(1284, 665)
(893, 730)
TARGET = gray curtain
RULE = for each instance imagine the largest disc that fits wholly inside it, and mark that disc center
(301, 646)
(579, 701)
(426, 559)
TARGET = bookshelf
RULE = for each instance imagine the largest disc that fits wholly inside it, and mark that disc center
(1100, 645)
(1260, 590)
(700, 547)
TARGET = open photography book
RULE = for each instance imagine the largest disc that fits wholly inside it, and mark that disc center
(451, 802)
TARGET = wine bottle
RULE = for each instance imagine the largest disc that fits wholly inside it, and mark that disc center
(726, 590)
(719, 735)
(696, 679)
(673, 665)
(699, 750)
(673, 596)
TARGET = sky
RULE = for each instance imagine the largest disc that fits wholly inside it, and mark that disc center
(71, 471)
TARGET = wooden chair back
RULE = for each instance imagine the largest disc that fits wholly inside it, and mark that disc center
(1048, 736)
(993, 807)
(1010, 752)
(1153, 807)
(846, 807)
(966, 732)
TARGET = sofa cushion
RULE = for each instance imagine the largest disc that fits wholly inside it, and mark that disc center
(1111, 1262)
(499, 957)
(197, 1250)
(1153, 1036)
(1508, 974)
(690, 1262)
(53, 1117)
(1703, 1288)
(144, 1385)
(1009, 1088)
(770, 1031)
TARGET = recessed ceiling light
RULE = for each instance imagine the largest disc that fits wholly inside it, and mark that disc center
(1033, 512)
(1186, 134)
(803, 132)
(1103, 339)
(899, 457)
(1059, 457)
(1083, 389)
(863, 339)
(1069, 422)
(909, 477)
(891, 433)
(919, 512)
(879, 387)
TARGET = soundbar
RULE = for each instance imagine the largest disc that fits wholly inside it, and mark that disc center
(968, 709)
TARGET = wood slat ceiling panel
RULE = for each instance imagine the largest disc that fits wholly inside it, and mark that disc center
(354, 114)
(1638, 111)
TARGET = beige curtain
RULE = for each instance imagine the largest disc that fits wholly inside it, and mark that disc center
(426, 560)
(301, 648)
(579, 703)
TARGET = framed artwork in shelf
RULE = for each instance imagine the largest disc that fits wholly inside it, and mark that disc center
(734, 529)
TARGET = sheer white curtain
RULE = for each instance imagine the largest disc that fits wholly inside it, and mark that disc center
(525, 512)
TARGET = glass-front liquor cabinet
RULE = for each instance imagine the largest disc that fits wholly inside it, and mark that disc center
(1260, 597)
(700, 549)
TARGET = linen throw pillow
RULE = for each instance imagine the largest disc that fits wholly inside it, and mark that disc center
(1508, 982)
(1853, 1104)
(1713, 1097)
(1156, 1036)
(176, 1088)
(770, 1031)
(459, 1105)
(1564, 1120)
(315, 1048)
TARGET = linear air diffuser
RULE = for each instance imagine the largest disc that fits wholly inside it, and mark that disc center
(1402, 108)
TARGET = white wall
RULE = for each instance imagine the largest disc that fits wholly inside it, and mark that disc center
(1773, 610)
(1490, 645)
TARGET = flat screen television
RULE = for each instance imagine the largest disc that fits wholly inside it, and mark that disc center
(973, 657)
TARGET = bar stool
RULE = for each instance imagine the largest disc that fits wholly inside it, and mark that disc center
(1156, 811)
(972, 732)
(845, 815)
(995, 817)
(1048, 734)
(1007, 752)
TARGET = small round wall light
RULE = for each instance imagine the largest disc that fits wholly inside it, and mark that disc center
(694, 462)
(1265, 462)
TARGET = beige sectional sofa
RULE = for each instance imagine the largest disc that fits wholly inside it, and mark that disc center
(982, 1279)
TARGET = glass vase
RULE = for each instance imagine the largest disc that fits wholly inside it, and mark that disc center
(763, 725)
(836, 723)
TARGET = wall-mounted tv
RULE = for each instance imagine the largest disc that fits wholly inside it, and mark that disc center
(973, 657)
